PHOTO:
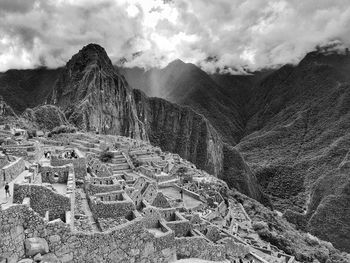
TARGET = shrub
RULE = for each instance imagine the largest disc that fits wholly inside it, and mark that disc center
(260, 225)
(106, 156)
(62, 129)
(137, 163)
(31, 133)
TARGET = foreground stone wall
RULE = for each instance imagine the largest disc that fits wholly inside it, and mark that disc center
(17, 223)
(199, 247)
(42, 199)
(127, 243)
(111, 209)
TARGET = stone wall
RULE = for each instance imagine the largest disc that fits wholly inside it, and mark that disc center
(16, 223)
(49, 141)
(130, 242)
(42, 199)
(11, 171)
(18, 150)
(180, 227)
(166, 240)
(4, 160)
(48, 173)
(111, 209)
(235, 249)
(78, 163)
(199, 247)
(29, 151)
(175, 221)
(188, 192)
(93, 189)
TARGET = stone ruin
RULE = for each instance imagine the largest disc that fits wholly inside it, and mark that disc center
(84, 210)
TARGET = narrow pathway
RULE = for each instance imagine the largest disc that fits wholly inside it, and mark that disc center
(7, 201)
(87, 211)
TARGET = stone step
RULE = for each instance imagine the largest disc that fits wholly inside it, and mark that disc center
(120, 172)
(118, 161)
(85, 143)
(117, 167)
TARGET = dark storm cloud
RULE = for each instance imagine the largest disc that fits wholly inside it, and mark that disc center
(238, 33)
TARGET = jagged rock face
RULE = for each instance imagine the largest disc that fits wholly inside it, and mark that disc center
(94, 97)
(181, 130)
(6, 110)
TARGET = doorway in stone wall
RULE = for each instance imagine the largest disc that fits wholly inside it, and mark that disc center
(56, 177)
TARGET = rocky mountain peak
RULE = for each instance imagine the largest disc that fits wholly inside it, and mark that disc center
(90, 56)
(94, 96)
(176, 63)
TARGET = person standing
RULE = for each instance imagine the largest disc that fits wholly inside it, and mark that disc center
(7, 189)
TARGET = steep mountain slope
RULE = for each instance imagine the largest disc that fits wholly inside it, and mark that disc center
(297, 138)
(23, 89)
(186, 84)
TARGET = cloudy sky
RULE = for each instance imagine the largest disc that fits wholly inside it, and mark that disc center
(232, 33)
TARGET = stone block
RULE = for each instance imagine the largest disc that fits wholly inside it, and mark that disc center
(66, 258)
(26, 260)
(38, 257)
(54, 238)
(35, 245)
(50, 258)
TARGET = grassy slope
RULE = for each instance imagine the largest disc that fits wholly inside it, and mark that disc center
(27, 88)
(298, 136)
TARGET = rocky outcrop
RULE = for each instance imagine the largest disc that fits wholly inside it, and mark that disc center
(5, 109)
(94, 97)
(35, 245)
(45, 117)
(237, 174)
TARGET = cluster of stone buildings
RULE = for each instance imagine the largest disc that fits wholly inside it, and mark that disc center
(131, 207)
